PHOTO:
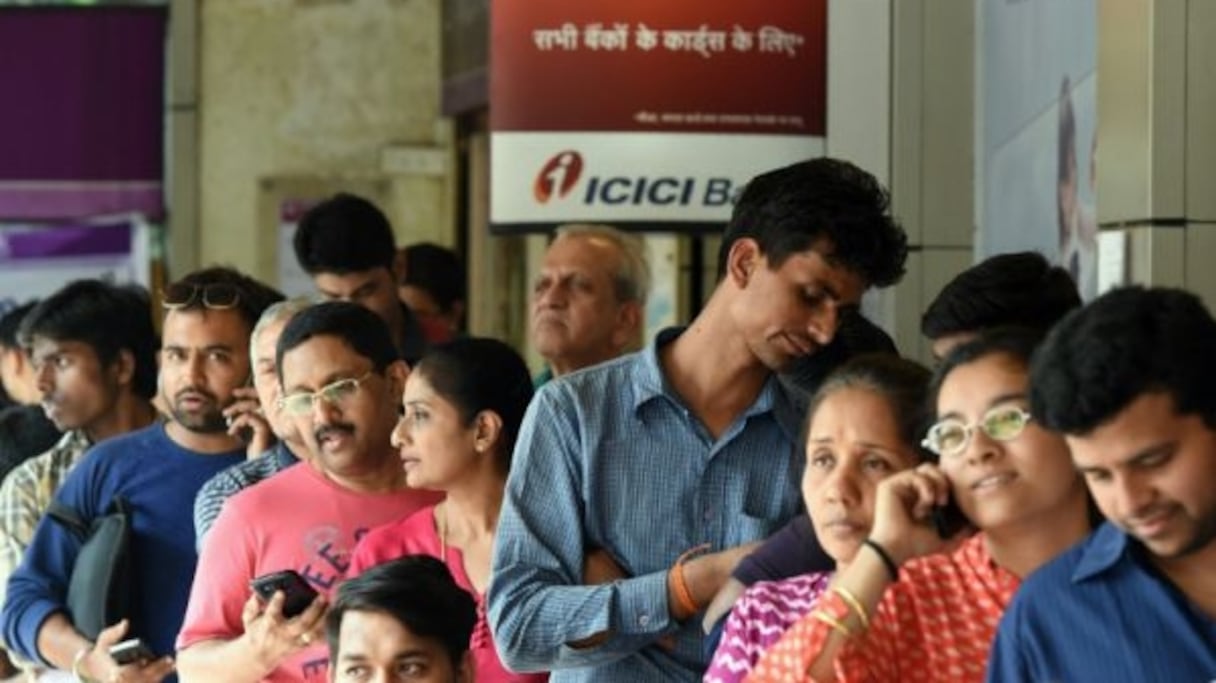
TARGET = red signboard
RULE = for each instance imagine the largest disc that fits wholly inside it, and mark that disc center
(624, 94)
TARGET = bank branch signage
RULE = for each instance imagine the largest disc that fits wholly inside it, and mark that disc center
(648, 115)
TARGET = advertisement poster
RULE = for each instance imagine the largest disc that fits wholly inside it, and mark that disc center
(1037, 132)
(37, 260)
(648, 115)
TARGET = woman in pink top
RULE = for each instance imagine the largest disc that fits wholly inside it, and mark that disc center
(462, 407)
(864, 424)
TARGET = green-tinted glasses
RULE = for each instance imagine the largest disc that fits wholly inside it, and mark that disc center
(949, 437)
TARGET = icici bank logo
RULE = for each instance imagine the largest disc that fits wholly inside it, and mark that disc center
(558, 176)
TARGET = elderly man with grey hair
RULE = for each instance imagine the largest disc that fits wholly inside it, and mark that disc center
(588, 302)
(274, 443)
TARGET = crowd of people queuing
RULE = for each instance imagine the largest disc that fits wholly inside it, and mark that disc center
(768, 493)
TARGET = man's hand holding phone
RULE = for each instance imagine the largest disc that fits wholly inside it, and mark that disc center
(283, 616)
(129, 661)
(246, 420)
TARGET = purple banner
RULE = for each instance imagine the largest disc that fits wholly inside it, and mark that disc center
(83, 111)
(17, 244)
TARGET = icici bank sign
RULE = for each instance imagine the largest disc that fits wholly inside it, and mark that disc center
(543, 179)
(561, 173)
(651, 114)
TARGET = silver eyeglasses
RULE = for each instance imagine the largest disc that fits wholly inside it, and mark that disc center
(949, 437)
(335, 393)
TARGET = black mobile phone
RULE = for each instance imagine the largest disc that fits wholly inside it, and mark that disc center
(297, 594)
(131, 651)
(949, 519)
(245, 434)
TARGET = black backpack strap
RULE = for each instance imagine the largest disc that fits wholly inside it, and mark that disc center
(68, 517)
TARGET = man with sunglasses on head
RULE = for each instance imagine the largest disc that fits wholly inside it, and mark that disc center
(341, 381)
(346, 244)
(157, 471)
(92, 346)
(261, 414)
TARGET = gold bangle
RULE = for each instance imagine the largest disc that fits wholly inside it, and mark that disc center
(854, 604)
(832, 621)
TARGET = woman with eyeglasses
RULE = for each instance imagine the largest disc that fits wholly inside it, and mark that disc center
(462, 408)
(903, 610)
(864, 425)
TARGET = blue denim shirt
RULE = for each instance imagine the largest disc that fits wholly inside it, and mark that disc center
(1100, 613)
(610, 457)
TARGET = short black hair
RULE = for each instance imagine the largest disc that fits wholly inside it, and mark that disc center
(10, 324)
(359, 328)
(437, 271)
(1016, 343)
(254, 296)
(1021, 289)
(108, 318)
(476, 374)
(344, 234)
(1126, 343)
(787, 210)
(416, 590)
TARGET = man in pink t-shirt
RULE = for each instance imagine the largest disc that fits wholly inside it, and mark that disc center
(342, 382)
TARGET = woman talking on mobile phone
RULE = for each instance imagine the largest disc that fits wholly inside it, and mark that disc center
(863, 426)
(905, 611)
(462, 408)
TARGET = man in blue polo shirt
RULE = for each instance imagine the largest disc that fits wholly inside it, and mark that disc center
(1128, 380)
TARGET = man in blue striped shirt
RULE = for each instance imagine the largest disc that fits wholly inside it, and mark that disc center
(688, 444)
(1128, 380)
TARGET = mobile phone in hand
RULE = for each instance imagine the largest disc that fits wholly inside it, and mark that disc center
(297, 594)
(131, 651)
(949, 519)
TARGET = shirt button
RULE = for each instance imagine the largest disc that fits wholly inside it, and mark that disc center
(644, 620)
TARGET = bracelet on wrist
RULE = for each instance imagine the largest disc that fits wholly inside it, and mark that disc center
(685, 603)
(887, 561)
(854, 604)
(77, 660)
(832, 622)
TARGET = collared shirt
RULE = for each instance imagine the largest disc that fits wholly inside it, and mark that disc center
(543, 377)
(233, 480)
(609, 457)
(1100, 612)
(935, 624)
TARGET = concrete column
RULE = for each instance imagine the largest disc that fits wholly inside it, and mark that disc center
(901, 93)
(181, 139)
(1157, 138)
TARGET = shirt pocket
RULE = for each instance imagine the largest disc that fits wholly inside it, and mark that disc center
(747, 528)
